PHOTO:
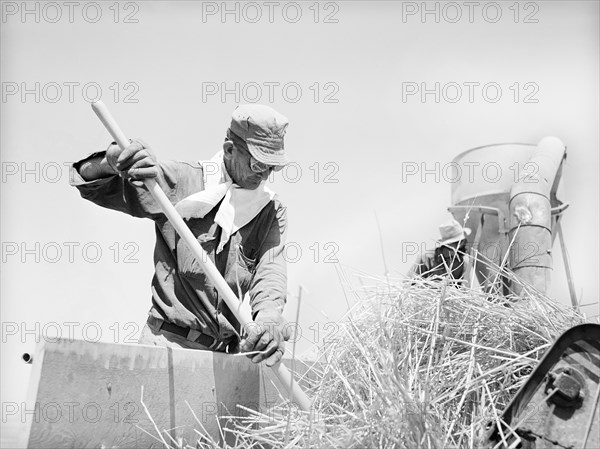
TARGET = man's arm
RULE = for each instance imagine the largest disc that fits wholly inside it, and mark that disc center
(96, 179)
(269, 285)
(137, 162)
(268, 296)
(422, 265)
(95, 167)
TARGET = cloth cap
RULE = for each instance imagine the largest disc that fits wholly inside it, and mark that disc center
(452, 232)
(263, 129)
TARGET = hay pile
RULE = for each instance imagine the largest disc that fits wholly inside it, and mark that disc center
(417, 364)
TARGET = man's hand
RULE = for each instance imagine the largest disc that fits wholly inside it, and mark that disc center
(429, 259)
(266, 334)
(137, 161)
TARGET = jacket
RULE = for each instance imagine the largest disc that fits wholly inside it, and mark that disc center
(251, 262)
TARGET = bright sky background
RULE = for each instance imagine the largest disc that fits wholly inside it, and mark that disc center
(174, 54)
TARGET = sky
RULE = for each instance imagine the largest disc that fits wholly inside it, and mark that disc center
(370, 89)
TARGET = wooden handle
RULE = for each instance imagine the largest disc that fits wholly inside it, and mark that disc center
(209, 268)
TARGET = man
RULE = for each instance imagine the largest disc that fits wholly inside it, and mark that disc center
(449, 257)
(238, 221)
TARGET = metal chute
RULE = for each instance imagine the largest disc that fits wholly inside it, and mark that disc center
(506, 194)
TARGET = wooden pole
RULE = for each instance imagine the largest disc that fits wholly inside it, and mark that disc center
(208, 267)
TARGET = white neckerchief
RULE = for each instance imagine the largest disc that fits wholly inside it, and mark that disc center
(239, 205)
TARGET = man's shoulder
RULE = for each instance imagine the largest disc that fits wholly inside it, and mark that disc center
(187, 176)
(273, 211)
(182, 164)
(280, 208)
(277, 203)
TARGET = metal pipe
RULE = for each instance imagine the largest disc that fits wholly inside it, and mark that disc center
(530, 213)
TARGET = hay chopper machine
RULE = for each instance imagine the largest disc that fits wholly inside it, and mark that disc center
(515, 220)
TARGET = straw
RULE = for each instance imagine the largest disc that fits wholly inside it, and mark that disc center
(416, 364)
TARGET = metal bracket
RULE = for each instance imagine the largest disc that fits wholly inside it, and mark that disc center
(558, 210)
(485, 210)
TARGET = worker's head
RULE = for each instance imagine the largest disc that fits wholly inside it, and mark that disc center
(452, 232)
(253, 146)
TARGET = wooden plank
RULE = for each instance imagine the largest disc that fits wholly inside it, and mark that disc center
(85, 394)
(213, 386)
(88, 394)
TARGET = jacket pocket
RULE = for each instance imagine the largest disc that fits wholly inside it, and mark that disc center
(188, 265)
(244, 261)
(241, 269)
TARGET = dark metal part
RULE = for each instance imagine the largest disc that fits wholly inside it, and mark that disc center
(558, 405)
(569, 384)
